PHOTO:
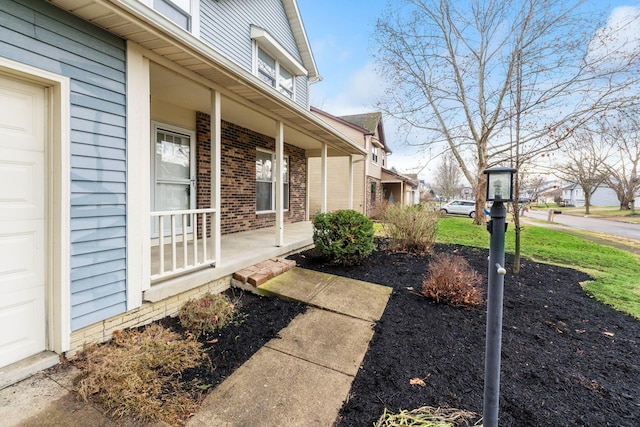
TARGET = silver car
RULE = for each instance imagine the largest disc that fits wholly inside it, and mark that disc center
(462, 207)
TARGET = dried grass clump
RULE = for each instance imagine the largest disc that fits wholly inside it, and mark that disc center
(138, 375)
(428, 416)
(451, 280)
(206, 314)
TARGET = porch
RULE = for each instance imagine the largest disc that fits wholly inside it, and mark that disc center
(237, 251)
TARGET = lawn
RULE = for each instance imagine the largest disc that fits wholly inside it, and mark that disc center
(615, 272)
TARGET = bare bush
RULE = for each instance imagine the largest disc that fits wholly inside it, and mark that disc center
(411, 228)
(451, 280)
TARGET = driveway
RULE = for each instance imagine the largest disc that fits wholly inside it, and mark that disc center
(622, 229)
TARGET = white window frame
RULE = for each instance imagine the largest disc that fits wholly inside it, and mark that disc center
(192, 12)
(285, 187)
(375, 152)
(278, 72)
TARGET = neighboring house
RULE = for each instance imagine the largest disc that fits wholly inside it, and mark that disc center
(573, 195)
(355, 181)
(399, 189)
(153, 148)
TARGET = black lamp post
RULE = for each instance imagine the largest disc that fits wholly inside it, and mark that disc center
(499, 190)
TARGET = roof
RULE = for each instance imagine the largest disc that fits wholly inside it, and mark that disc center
(400, 177)
(132, 20)
(371, 122)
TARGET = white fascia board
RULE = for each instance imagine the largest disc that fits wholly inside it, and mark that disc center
(268, 43)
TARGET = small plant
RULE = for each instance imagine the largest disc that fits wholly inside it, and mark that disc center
(206, 314)
(138, 375)
(344, 237)
(428, 416)
(451, 280)
(411, 228)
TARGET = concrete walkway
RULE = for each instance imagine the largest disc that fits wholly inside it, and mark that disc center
(298, 379)
(303, 377)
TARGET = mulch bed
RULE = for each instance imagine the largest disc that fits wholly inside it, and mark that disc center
(567, 360)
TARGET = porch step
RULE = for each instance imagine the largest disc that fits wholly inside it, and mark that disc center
(254, 276)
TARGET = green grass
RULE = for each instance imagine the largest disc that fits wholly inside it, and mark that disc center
(616, 272)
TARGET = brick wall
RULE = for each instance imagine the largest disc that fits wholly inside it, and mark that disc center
(149, 312)
(379, 195)
(238, 185)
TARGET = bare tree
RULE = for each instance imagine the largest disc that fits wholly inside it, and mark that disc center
(587, 156)
(453, 68)
(622, 132)
(533, 184)
(447, 177)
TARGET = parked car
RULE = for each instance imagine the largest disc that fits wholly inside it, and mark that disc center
(462, 207)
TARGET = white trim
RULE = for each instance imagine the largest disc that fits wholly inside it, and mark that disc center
(138, 176)
(216, 172)
(274, 180)
(58, 203)
(279, 137)
(275, 49)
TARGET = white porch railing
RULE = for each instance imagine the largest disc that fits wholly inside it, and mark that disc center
(178, 251)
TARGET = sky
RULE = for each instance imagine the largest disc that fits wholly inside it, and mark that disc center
(339, 32)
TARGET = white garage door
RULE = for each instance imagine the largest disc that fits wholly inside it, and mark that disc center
(22, 220)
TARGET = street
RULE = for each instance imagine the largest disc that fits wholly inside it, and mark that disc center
(623, 229)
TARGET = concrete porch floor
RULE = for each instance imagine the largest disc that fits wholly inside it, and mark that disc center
(238, 251)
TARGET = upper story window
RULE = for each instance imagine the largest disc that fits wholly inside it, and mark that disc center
(374, 154)
(273, 64)
(184, 13)
(275, 74)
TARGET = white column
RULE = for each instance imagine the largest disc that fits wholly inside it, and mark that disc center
(350, 182)
(323, 179)
(138, 176)
(215, 174)
(279, 183)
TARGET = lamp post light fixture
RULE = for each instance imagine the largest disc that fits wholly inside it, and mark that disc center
(499, 191)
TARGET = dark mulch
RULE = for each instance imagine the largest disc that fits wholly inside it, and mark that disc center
(567, 360)
(259, 319)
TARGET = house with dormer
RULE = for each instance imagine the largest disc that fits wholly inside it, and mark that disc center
(154, 148)
(355, 181)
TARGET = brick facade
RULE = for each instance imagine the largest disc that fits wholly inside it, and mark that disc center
(370, 202)
(238, 176)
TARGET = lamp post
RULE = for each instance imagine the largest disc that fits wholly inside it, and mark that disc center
(499, 190)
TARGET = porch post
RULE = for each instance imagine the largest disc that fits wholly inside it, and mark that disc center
(323, 179)
(279, 183)
(350, 182)
(216, 141)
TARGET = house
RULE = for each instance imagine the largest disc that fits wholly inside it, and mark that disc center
(398, 188)
(355, 181)
(153, 148)
(573, 195)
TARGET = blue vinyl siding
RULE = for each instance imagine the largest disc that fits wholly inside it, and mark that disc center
(41, 35)
(227, 27)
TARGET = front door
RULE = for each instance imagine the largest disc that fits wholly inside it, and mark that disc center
(174, 174)
(22, 221)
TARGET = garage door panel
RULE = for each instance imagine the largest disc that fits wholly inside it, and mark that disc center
(21, 336)
(21, 195)
(21, 252)
(21, 124)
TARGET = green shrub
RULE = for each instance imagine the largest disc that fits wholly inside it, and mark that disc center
(206, 314)
(411, 228)
(451, 280)
(344, 237)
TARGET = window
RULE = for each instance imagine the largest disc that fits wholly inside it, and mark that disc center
(374, 154)
(178, 14)
(265, 189)
(275, 74)
(373, 193)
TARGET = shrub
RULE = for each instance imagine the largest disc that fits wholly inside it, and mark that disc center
(411, 228)
(451, 280)
(344, 237)
(206, 314)
(138, 374)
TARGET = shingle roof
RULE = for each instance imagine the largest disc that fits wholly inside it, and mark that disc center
(368, 121)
